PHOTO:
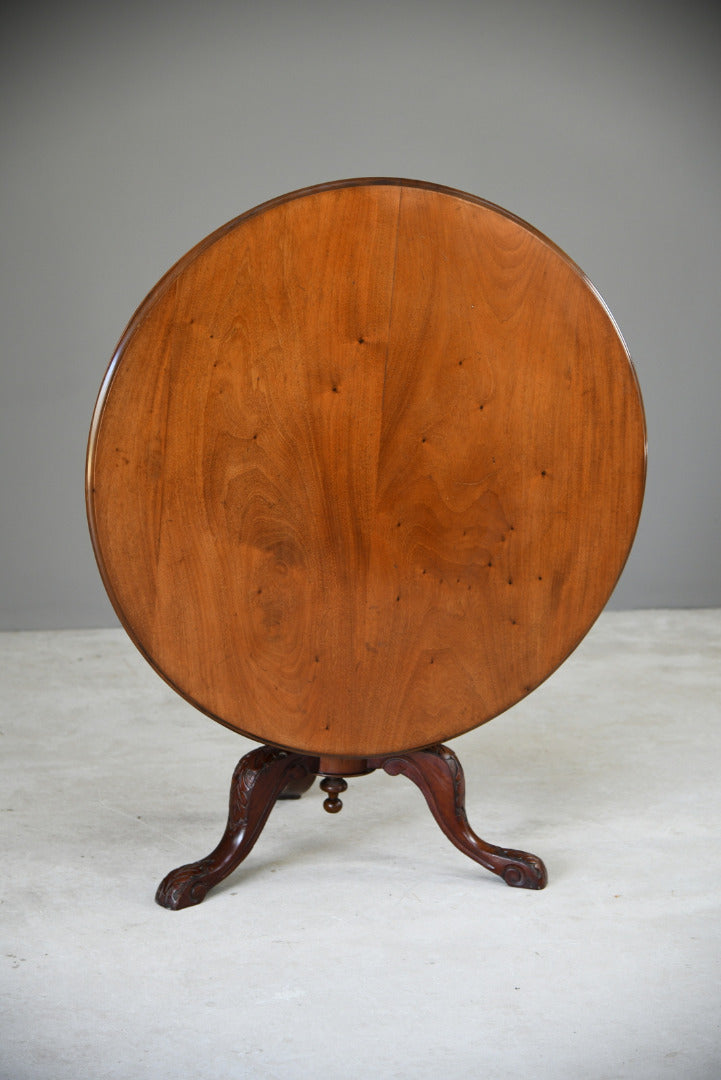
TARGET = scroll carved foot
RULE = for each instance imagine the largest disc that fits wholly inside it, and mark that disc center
(438, 773)
(258, 780)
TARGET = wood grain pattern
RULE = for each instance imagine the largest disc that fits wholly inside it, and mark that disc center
(365, 467)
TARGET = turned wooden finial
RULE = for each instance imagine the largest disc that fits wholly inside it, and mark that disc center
(333, 785)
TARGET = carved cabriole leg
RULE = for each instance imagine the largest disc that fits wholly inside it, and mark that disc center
(258, 780)
(438, 773)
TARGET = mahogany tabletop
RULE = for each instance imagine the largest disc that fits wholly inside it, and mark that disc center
(365, 467)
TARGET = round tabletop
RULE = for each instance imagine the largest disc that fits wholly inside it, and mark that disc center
(365, 467)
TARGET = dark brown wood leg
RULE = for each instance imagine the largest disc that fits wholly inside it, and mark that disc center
(258, 780)
(438, 773)
(295, 788)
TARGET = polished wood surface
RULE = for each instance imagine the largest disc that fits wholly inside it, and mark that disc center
(365, 467)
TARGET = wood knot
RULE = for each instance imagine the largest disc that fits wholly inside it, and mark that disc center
(333, 786)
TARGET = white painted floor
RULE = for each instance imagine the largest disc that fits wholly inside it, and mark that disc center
(364, 945)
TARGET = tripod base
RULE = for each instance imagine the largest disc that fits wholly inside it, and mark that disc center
(267, 774)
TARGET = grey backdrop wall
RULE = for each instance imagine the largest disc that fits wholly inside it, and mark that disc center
(131, 131)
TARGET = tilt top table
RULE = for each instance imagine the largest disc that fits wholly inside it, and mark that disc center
(363, 471)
